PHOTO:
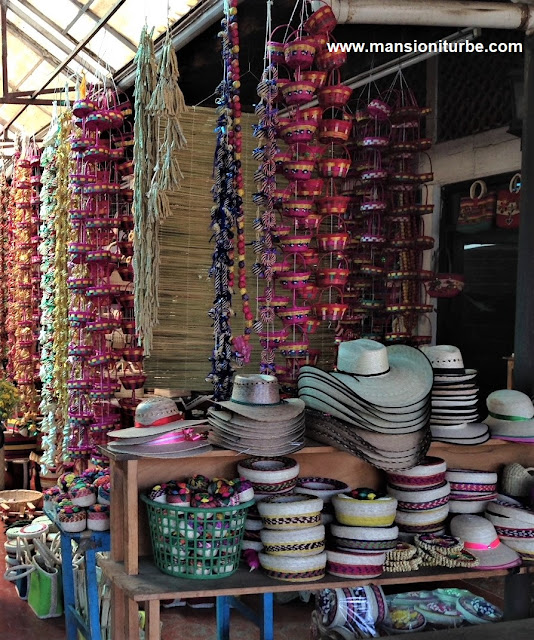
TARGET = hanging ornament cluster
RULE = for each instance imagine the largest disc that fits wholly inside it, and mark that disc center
(311, 156)
(4, 272)
(227, 218)
(47, 251)
(23, 296)
(388, 199)
(100, 272)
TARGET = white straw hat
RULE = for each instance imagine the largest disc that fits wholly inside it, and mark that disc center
(445, 358)
(480, 539)
(257, 396)
(395, 376)
(155, 416)
(510, 415)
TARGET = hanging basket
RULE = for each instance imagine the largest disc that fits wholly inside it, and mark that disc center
(304, 151)
(297, 348)
(276, 302)
(299, 53)
(309, 292)
(295, 243)
(310, 188)
(317, 77)
(445, 285)
(333, 205)
(298, 92)
(297, 207)
(334, 93)
(334, 130)
(293, 278)
(328, 276)
(299, 170)
(335, 240)
(335, 167)
(313, 114)
(273, 339)
(331, 311)
(297, 131)
(322, 20)
(275, 48)
(310, 222)
(379, 109)
(327, 60)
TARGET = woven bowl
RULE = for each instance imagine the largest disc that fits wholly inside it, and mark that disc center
(292, 569)
(409, 499)
(350, 564)
(290, 512)
(471, 476)
(418, 518)
(364, 539)
(365, 513)
(429, 473)
(298, 542)
(469, 506)
(324, 488)
(270, 475)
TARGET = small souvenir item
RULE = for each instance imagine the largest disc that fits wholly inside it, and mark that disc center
(158, 493)
(83, 495)
(72, 518)
(98, 517)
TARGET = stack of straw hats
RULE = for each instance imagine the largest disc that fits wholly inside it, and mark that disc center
(454, 416)
(293, 537)
(510, 416)
(422, 495)
(379, 399)
(362, 534)
(255, 420)
(471, 490)
(514, 525)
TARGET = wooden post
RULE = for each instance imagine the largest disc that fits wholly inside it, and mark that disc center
(524, 307)
(2, 469)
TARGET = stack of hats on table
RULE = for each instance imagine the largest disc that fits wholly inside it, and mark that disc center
(293, 537)
(160, 431)
(422, 494)
(454, 416)
(471, 490)
(510, 416)
(255, 420)
(514, 525)
(269, 477)
(377, 402)
(362, 534)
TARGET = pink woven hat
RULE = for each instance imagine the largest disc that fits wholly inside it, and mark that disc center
(395, 376)
(480, 539)
(510, 415)
(257, 397)
(155, 416)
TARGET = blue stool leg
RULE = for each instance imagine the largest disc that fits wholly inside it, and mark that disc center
(68, 586)
(92, 595)
(267, 618)
(223, 617)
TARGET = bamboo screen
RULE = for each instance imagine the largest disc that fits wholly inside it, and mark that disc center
(183, 340)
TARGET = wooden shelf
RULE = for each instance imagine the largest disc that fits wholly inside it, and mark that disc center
(152, 584)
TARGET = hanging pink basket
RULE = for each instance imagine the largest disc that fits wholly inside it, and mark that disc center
(314, 75)
(298, 92)
(297, 207)
(294, 315)
(275, 48)
(379, 109)
(299, 53)
(334, 93)
(334, 130)
(328, 310)
(299, 170)
(297, 131)
(335, 167)
(295, 243)
(273, 339)
(330, 275)
(322, 20)
(312, 187)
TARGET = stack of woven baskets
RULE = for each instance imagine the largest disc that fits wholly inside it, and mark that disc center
(362, 535)
(423, 497)
(293, 537)
(471, 490)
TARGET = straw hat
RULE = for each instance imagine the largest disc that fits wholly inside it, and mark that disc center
(510, 415)
(466, 433)
(480, 539)
(257, 396)
(395, 376)
(445, 359)
(155, 416)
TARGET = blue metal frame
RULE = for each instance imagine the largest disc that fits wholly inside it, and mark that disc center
(263, 620)
(92, 542)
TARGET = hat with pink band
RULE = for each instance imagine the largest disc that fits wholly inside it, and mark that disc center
(480, 539)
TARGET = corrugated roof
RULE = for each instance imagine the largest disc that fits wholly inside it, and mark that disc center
(41, 34)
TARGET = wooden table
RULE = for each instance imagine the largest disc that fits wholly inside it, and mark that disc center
(135, 579)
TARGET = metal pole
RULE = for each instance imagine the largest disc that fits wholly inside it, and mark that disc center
(524, 306)
(3, 18)
(101, 23)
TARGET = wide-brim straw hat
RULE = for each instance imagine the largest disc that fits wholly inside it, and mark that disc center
(449, 379)
(467, 433)
(257, 396)
(481, 540)
(395, 376)
(321, 401)
(326, 384)
(179, 450)
(155, 416)
(457, 391)
(244, 423)
(329, 430)
(219, 420)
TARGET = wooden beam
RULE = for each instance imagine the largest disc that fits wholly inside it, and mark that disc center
(28, 92)
(117, 34)
(29, 101)
(524, 305)
(101, 23)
